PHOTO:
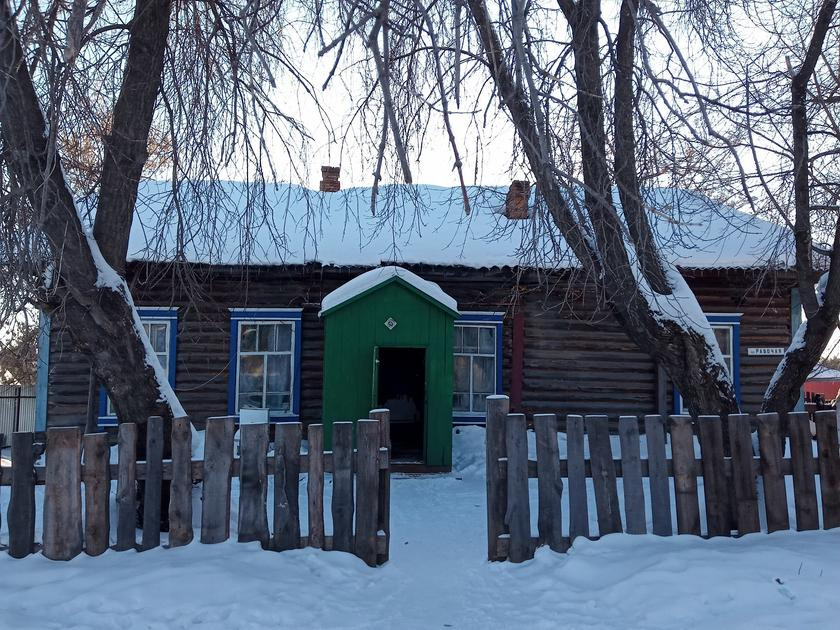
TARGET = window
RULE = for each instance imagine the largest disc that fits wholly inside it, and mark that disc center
(161, 326)
(265, 361)
(477, 369)
(727, 330)
(723, 334)
(265, 366)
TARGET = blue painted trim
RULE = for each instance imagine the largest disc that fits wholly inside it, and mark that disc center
(296, 373)
(104, 418)
(468, 318)
(173, 344)
(288, 314)
(795, 322)
(157, 313)
(147, 313)
(736, 359)
(496, 319)
(43, 372)
(281, 313)
(498, 358)
(734, 321)
(233, 365)
(724, 318)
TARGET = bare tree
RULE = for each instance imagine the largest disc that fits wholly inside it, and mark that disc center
(783, 95)
(591, 117)
(19, 352)
(194, 78)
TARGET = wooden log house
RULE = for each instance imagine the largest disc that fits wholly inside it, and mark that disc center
(497, 311)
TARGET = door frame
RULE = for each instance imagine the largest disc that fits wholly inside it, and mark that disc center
(375, 384)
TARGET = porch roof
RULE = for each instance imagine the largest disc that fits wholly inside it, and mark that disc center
(370, 280)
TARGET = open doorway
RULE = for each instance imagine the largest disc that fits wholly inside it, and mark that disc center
(401, 388)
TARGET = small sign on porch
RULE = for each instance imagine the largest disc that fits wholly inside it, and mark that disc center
(765, 352)
(390, 323)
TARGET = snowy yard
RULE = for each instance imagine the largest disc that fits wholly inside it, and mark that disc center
(437, 577)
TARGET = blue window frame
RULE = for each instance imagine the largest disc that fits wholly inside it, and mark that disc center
(265, 352)
(727, 329)
(43, 374)
(161, 325)
(478, 364)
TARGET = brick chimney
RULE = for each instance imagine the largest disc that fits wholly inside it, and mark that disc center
(329, 178)
(516, 202)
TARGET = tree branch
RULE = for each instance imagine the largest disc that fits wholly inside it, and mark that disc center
(126, 144)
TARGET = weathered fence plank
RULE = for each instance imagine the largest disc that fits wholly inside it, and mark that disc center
(497, 410)
(342, 497)
(715, 488)
(180, 493)
(253, 483)
(549, 482)
(743, 476)
(829, 461)
(126, 487)
(367, 490)
(578, 502)
(97, 479)
(631, 474)
(197, 468)
(660, 488)
(685, 477)
(286, 480)
(315, 486)
(153, 485)
(383, 416)
(603, 475)
(802, 460)
(518, 516)
(21, 515)
(215, 491)
(62, 494)
(773, 480)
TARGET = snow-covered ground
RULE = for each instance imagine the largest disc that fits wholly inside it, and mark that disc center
(437, 577)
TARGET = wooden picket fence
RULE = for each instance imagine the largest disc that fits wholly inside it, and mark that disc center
(729, 482)
(69, 528)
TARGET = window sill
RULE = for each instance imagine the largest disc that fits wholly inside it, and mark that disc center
(478, 418)
(279, 418)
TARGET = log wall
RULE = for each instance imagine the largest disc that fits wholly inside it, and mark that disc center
(576, 358)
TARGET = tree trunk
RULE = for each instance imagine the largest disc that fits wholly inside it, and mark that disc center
(94, 300)
(126, 144)
(809, 342)
(822, 311)
(686, 350)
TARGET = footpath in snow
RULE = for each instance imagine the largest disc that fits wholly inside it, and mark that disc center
(437, 577)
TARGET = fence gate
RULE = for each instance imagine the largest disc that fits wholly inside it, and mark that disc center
(360, 489)
(729, 481)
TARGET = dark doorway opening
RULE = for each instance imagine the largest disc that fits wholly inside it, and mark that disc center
(401, 388)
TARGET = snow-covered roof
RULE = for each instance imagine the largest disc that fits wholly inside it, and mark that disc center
(824, 373)
(381, 275)
(422, 224)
